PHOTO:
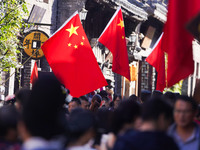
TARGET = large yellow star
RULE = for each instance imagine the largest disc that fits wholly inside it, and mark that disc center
(72, 30)
(121, 24)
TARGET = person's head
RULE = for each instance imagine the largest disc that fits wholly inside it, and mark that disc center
(75, 103)
(95, 102)
(42, 114)
(106, 102)
(125, 116)
(170, 98)
(145, 95)
(133, 97)
(103, 93)
(156, 93)
(117, 100)
(185, 109)
(82, 126)
(22, 96)
(8, 123)
(157, 111)
(104, 120)
(10, 100)
(96, 98)
(84, 102)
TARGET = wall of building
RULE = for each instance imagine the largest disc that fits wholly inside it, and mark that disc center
(21, 78)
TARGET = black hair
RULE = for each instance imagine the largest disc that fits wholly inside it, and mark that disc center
(76, 100)
(80, 121)
(103, 93)
(169, 95)
(189, 100)
(42, 114)
(104, 122)
(96, 102)
(133, 97)
(84, 98)
(106, 99)
(157, 93)
(145, 95)
(23, 95)
(127, 112)
(152, 109)
(116, 96)
(8, 119)
(97, 98)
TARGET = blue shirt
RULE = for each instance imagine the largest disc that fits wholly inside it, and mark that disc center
(192, 143)
(147, 140)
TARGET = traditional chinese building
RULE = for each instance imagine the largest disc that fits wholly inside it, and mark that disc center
(143, 20)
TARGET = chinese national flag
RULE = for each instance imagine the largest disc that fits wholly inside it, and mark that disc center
(157, 60)
(177, 41)
(71, 58)
(34, 74)
(113, 37)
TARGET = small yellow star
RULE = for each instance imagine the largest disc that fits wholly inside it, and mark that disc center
(122, 37)
(72, 30)
(75, 46)
(82, 43)
(121, 24)
(69, 44)
(83, 37)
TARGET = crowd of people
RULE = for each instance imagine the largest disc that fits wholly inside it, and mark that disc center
(44, 119)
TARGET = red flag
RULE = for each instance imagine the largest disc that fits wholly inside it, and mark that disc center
(34, 74)
(177, 41)
(71, 58)
(157, 60)
(113, 37)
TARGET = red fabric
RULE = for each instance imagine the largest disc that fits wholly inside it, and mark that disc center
(34, 74)
(72, 60)
(177, 41)
(114, 39)
(157, 60)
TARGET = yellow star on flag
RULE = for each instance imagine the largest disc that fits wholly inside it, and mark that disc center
(82, 43)
(121, 24)
(69, 44)
(83, 37)
(122, 37)
(72, 30)
(75, 46)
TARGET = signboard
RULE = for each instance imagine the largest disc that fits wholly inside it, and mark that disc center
(36, 15)
(33, 41)
(148, 37)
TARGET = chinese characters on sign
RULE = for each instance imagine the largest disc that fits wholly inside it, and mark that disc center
(32, 41)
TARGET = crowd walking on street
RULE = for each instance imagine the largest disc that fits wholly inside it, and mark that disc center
(45, 119)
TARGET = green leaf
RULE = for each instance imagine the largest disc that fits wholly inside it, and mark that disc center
(12, 13)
